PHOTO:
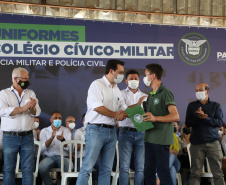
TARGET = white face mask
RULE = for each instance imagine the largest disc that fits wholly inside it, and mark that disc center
(133, 84)
(146, 82)
(36, 124)
(71, 125)
(201, 95)
(220, 132)
(119, 79)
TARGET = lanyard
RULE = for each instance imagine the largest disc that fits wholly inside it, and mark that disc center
(19, 101)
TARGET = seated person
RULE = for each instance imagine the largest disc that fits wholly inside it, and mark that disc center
(174, 163)
(51, 138)
(36, 131)
(70, 124)
(177, 126)
(184, 140)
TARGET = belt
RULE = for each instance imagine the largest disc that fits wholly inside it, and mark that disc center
(129, 129)
(18, 133)
(103, 125)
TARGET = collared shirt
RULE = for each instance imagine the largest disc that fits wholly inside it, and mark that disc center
(157, 104)
(80, 135)
(54, 147)
(204, 130)
(130, 99)
(9, 100)
(101, 93)
(73, 133)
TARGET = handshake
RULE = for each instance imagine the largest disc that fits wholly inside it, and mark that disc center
(121, 115)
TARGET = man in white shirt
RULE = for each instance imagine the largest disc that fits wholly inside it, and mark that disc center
(51, 138)
(70, 124)
(18, 107)
(36, 131)
(103, 102)
(130, 140)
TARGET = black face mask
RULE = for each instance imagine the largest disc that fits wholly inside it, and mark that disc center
(186, 130)
(23, 84)
(175, 129)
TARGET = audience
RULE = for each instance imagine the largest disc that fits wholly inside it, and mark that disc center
(174, 163)
(184, 140)
(51, 138)
(70, 124)
(177, 127)
(36, 131)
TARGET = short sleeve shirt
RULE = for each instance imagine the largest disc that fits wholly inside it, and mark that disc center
(157, 104)
(101, 93)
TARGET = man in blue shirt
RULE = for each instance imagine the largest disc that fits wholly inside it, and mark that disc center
(205, 116)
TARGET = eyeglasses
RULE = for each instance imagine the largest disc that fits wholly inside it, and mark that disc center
(24, 78)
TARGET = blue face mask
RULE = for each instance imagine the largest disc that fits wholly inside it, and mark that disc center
(57, 122)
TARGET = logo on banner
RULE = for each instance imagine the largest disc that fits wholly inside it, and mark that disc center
(194, 49)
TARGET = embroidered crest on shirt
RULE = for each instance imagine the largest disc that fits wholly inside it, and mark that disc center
(138, 118)
(156, 101)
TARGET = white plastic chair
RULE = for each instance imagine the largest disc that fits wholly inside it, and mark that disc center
(179, 180)
(115, 175)
(18, 172)
(72, 146)
(204, 174)
(131, 177)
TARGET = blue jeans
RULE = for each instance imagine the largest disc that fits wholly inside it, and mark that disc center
(131, 141)
(48, 163)
(174, 165)
(25, 146)
(99, 140)
(157, 159)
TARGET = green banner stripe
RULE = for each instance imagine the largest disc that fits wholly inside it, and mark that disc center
(42, 32)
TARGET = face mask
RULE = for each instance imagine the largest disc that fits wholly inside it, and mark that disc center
(71, 125)
(220, 132)
(119, 78)
(57, 123)
(23, 84)
(36, 124)
(201, 95)
(175, 129)
(146, 82)
(133, 84)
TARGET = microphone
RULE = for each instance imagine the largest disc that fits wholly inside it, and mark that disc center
(145, 106)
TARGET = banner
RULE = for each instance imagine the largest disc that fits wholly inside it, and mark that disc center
(64, 56)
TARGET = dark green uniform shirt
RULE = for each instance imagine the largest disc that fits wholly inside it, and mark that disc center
(157, 104)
